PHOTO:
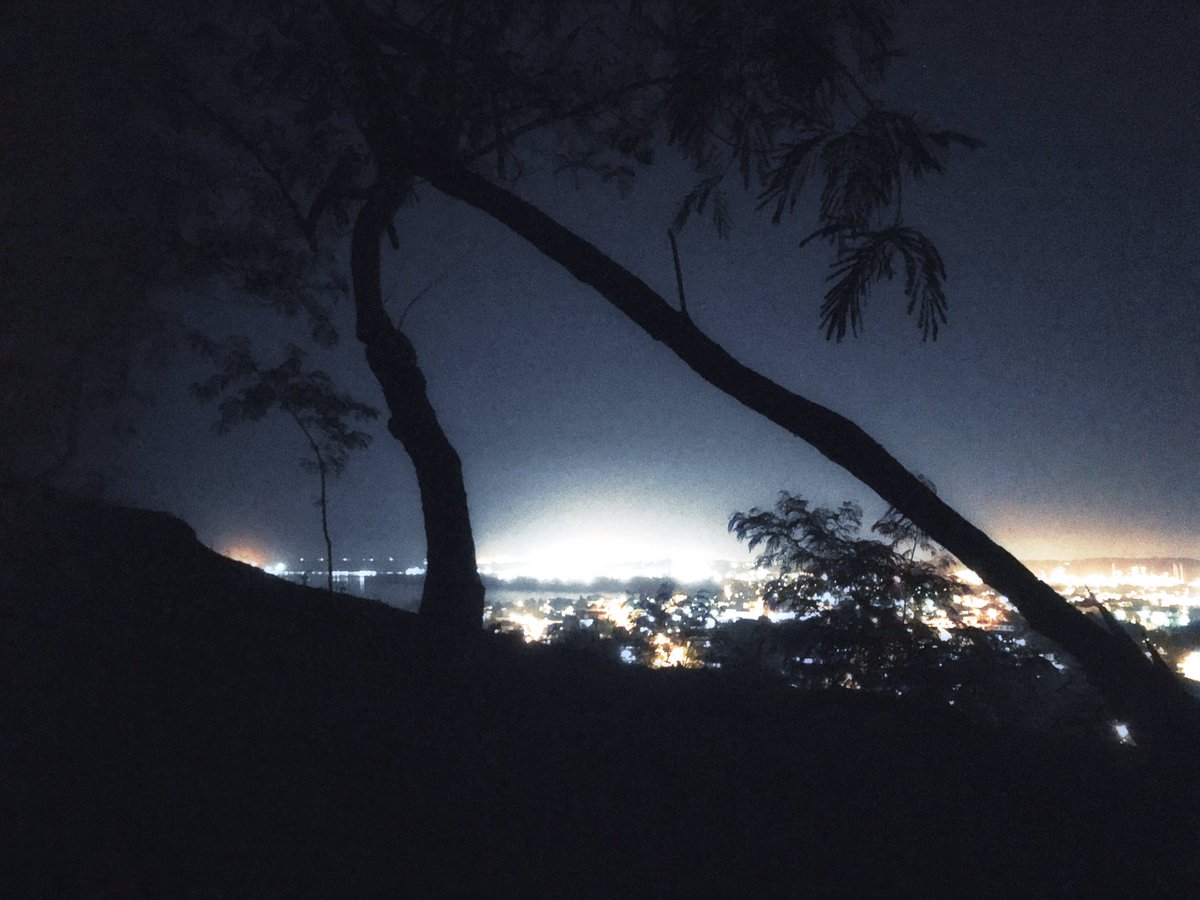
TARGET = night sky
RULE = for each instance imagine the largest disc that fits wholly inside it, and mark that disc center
(1060, 410)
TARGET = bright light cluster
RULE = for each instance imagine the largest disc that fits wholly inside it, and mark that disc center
(1189, 665)
(1137, 577)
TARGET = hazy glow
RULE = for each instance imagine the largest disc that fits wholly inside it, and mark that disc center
(667, 653)
(616, 610)
(1189, 666)
(600, 554)
(1135, 576)
(533, 628)
(968, 577)
(247, 555)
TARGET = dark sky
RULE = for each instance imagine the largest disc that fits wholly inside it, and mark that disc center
(1060, 410)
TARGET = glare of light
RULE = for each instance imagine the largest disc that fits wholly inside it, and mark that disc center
(668, 654)
(532, 627)
(1122, 732)
(1158, 619)
(1135, 576)
(615, 610)
(968, 577)
(1189, 666)
(582, 559)
(247, 555)
(279, 568)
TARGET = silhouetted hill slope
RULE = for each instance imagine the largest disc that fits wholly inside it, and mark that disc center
(178, 724)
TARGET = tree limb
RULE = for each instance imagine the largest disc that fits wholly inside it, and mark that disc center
(1156, 699)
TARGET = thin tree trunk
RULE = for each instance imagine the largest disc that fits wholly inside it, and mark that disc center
(453, 594)
(325, 522)
(1138, 686)
(324, 499)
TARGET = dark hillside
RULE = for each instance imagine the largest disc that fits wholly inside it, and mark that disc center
(177, 724)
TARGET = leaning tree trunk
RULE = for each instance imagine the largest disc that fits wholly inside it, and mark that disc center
(1136, 683)
(453, 594)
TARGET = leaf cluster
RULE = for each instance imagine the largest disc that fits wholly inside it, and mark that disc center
(308, 396)
(763, 96)
(822, 561)
(853, 596)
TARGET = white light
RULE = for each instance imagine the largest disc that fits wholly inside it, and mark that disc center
(601, 553)
(968, 577)
(1189, 666)
(279, 568)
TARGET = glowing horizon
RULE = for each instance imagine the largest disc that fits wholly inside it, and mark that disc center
(581, 560)
(585, 558)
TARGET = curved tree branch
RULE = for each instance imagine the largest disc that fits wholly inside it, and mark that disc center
(1154, 699)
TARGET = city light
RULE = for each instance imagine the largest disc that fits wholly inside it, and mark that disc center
(1189, 666)
(585, 557)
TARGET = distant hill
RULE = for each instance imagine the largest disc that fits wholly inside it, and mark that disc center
(178, 724)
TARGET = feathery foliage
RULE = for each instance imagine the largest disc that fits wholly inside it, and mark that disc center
(307, 396)
(823, 562)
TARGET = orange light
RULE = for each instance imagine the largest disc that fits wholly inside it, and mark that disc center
(247, 555)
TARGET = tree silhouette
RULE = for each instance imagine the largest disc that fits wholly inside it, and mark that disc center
(208, 151)
(764, 95)
(271, 94)
(863, 605)
(819, 556)
(345, 109)
(307, 397)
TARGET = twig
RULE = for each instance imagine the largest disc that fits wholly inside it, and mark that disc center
(678, 274)
(428, 287)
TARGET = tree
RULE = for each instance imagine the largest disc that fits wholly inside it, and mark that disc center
(863, 607)
(761, 94)
(819, 558)
(307, 396)
(205, 150)
(272, 95)
(768, 97)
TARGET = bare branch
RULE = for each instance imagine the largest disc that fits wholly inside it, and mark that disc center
(678, 273)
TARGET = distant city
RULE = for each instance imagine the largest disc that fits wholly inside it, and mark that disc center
(1153, 593)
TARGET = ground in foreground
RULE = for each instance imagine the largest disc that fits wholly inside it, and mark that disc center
(178, 724)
